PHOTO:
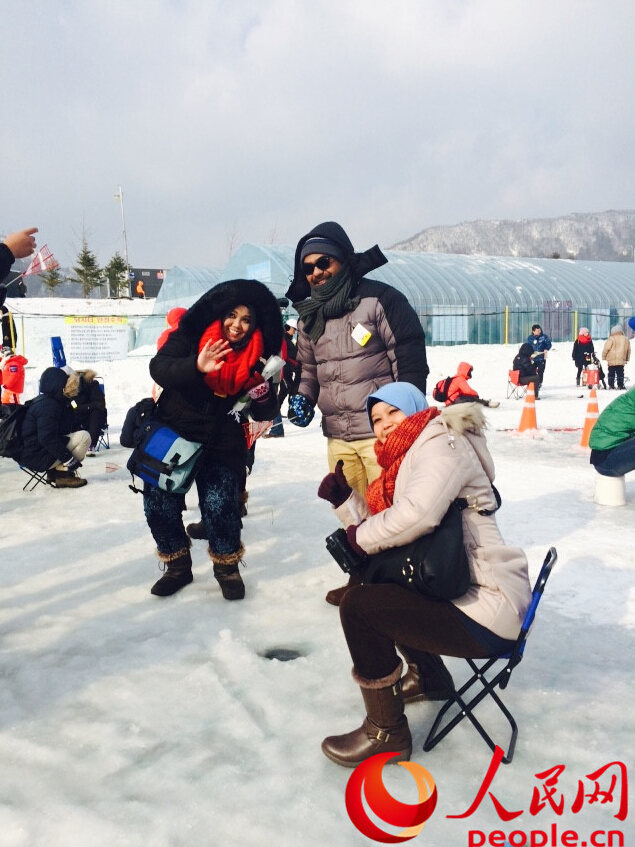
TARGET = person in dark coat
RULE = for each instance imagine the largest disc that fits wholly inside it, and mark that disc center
(526, 367)
(583, 352)
(90, 407)
(541, 345)
(291, 371)
(212, 359)
(49, 443)
(9, 333)
(355, 334)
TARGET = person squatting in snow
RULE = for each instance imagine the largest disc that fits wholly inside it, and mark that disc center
(50, 439)
(214, 356)
(612, 439)
(429, 457)
(354, 335)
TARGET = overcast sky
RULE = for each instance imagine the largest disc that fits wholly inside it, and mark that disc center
(227, 121)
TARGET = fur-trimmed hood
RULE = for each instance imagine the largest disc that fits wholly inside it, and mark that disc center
(220, 299)
(462, 418)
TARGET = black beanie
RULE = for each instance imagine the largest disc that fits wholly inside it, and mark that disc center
(321, 244)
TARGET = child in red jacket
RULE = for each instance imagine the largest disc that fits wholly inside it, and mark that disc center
(457, 389)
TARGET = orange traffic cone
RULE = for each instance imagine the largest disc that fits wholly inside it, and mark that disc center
(592, 413)
(528, 416)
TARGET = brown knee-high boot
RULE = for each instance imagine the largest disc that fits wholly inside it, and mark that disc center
(178, 573)
(384, 730)
(227, 574)
(427, 678)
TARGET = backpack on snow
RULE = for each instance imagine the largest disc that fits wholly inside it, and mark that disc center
(161, 457)
(11, 417)
(440, 390)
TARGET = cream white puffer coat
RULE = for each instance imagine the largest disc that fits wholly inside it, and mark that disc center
(450, 459)
(617, 349)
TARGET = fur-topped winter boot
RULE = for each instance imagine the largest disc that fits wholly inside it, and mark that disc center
(427, 678)
(178, 573)
(227, 574)
(384, 730)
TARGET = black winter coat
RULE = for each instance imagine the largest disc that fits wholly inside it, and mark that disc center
(186, 403)
(582, 354)
(88, 397)
(6, 260)
(47, 424)
(523, 363)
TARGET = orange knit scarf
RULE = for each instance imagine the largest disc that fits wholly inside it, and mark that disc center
(390, 455)
(237, 364)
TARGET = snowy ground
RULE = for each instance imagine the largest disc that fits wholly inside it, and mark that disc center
(129, 720)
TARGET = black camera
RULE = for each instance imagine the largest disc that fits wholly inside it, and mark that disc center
(338, 546)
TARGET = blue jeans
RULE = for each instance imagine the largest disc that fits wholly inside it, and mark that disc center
(277, 429)
(617, 461)
(218, 491)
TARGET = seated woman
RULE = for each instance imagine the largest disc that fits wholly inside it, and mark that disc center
(526, 367)
(212, 358)
(428, 458)
(90, 408)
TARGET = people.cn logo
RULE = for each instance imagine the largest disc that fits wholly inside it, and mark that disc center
(366, 781)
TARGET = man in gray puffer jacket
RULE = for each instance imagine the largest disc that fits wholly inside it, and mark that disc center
(354, 335)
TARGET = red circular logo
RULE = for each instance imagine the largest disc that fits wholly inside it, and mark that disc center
(366, 779)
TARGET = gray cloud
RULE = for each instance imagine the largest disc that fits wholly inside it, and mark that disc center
(252, 121)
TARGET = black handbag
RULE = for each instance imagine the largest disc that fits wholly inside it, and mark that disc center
(435, 564)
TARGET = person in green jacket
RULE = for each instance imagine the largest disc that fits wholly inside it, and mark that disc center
(612, 439)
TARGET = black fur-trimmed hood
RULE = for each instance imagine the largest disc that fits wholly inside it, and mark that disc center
(220, 299)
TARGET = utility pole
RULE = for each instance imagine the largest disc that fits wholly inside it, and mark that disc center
(119, 197)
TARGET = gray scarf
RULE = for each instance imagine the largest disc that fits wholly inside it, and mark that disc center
(331, 300)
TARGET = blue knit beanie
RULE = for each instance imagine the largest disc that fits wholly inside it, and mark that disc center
(402, 395)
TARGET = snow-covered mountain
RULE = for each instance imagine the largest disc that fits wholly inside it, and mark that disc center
(608, 236)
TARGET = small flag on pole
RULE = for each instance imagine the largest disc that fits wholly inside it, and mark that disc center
(42, 261)
(254, 429)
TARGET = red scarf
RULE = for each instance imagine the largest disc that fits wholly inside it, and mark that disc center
(584, 339)
(237, 364)
(390, 455)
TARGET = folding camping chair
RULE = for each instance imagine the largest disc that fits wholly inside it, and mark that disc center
(35, 478)
(499, 679)
(514, 389)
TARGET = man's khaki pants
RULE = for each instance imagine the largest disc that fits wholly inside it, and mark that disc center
(360, 463)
